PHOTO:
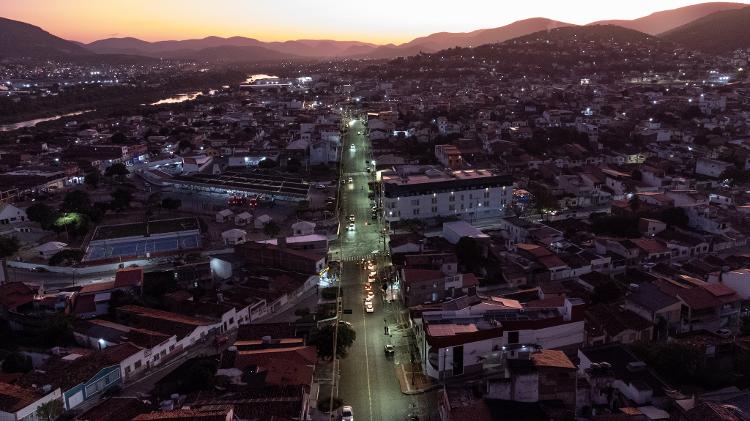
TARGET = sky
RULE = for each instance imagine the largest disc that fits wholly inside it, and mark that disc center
(380, 22)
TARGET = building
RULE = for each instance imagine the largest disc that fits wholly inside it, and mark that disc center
(10, 214)
(471, 334)
(449, 156)
(467, 194)
(430, 286)
(19, 403)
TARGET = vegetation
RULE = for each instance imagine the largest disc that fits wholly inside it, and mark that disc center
(17, 362)
(121, 199)
(92, 179)
(116, 170)
(323, 340)
(324, 404)
(8, 246)
(271, 229)
(66, 257)
(50, 410)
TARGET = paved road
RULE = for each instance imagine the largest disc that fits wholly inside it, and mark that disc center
(367, 377)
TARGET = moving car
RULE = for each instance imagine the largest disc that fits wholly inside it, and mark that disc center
(350, 180)
(352, 147)
(351, 226)
(351, 218)
(389, 349)
(347, 414)
(369, 308)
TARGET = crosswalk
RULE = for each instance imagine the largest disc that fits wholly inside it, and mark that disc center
(358, 258)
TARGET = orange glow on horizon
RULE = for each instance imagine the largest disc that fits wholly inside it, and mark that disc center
(382, 22)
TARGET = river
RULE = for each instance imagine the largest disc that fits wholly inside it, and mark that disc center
(34, 122)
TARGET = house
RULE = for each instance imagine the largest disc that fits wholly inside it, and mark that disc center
(650, 227)
(425, 285)
(711, 167)
(10, 214)
(539, 375)
(243, 218)
(224, 216)
(656, 306)
(470, 334)
(610, 323)
(261, 221)
(18, 403)
(280, 257)
(208, 413)
(458, 404)
(81, 376)
(614, 377)
(234, 236)
(704, 306)
(50, 248)
(454, 231)
(189, 330)
(303, 228)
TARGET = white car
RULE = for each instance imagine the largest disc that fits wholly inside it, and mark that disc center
(352, 147)
(347, 414)
(351, 226)
(369, 308)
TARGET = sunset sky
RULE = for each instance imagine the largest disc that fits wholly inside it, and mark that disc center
(381, 21)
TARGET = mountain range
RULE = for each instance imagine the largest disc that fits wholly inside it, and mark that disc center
(691, 26)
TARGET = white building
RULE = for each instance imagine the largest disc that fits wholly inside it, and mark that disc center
(234, 236)
(466, 194)
(10, 214)
(225, 215)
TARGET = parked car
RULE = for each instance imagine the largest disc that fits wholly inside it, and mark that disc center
(389, 349)
(347, 414)
(369, 307)
(351, 226)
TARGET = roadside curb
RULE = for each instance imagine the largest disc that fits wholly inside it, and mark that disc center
(405, 385)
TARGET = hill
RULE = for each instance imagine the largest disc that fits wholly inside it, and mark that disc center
(230, 54)
(303, 48)
(443, 40)
(19, 39)
(702, 34)
(659, 22)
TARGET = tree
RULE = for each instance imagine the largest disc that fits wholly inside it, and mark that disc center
(271, 229)
(119, 138)
(17, 362)
(116, 170)
(76, 201)
(66, 257)
(267, 163)
(50, 410)
(121, 199)
(92, 179)
(322, 339)
(8, 246)
(43, 214)
(184, 145)
(634, 203)
(607, 292)
(468, 253)
(171, 204)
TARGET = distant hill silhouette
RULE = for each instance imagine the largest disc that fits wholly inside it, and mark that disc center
(659, 22)
(19, 39)
(443, 40)
(229, 54)
(720, 32)
(305, 48)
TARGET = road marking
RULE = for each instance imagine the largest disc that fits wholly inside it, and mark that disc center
(367, 363)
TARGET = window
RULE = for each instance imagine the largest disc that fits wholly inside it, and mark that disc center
(486, 195)
(137, 364)
(434, 200)
(451, 207)
(171, 348)
(434, 209)
(415, 212)
(451, 198)
(415, 202)
(486, 203)
(127, 370)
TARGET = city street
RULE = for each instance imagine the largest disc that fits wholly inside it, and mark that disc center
(367, 379)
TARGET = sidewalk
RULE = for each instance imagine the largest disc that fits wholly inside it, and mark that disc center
(412, 380)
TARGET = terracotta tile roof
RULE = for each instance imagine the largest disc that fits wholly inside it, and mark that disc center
(84, 304)
(421, 275)
(274, 330)
(209, 413)
(282, 372)
(714, 411)
(129, 277)
(650, 246)
(97, 287)
(551, 358)
(260, 357)
(14, 398)
(115, 409)
(15, 294)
